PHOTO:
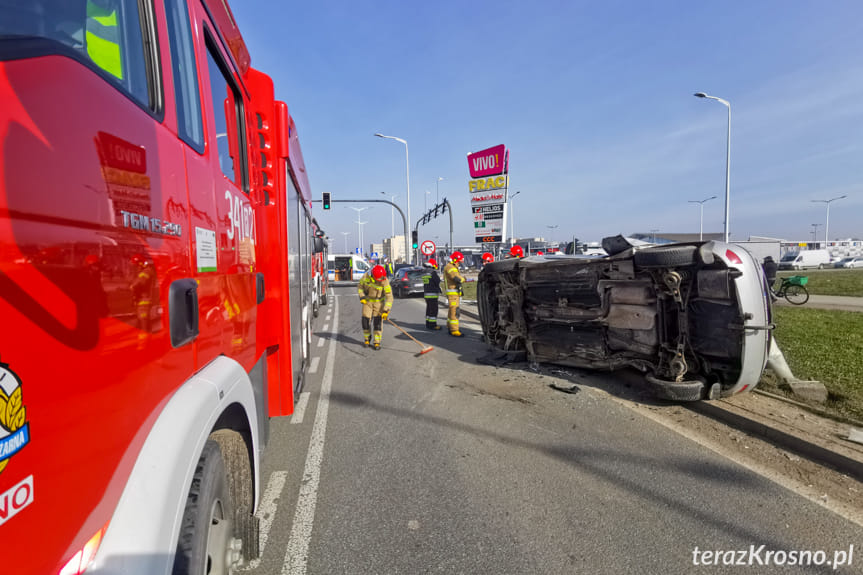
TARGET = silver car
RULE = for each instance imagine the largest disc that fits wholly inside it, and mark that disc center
(695, 318)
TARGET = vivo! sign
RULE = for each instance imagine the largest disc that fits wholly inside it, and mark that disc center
(488, 162)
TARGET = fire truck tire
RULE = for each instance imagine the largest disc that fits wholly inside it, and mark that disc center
(315, 306)
(239, 472)
(323, 299)
(207, 528)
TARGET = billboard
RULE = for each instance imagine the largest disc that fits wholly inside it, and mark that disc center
(489, 172)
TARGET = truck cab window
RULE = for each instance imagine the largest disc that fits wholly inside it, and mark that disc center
(228, 118)
(187, 95)
(105, 33)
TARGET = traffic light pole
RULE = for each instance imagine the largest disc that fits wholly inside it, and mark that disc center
(427, 215)
(408, 252)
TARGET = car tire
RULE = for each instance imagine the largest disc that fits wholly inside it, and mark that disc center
(694, 390)
(207, 528)
(667, 256)
(820, 266)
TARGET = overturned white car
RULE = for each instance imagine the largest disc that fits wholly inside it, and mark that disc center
(695, 318)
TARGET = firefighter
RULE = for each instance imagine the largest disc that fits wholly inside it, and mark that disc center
(453, 280)
(376, 295)
(516, 252)
(142, 294)
(487, 258)
(431, 290)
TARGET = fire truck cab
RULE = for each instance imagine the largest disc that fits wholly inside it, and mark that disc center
(156, 247)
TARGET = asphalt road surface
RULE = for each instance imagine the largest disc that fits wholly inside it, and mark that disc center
(398, 463)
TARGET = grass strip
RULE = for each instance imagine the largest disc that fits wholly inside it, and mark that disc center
(827, 346)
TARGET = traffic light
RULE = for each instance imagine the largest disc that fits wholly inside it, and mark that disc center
(415, 236)
(326, 200)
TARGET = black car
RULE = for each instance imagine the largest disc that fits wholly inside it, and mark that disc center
(407, 281)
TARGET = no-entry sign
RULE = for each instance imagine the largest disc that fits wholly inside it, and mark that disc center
(427, 248)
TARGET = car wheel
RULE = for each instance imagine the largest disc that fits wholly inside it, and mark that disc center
(694, 390)
(207, 530)
(820, 266)
(666, 256)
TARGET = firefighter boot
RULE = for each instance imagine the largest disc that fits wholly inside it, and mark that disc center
(456, 333)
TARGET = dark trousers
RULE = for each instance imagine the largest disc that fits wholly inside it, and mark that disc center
(431, 311)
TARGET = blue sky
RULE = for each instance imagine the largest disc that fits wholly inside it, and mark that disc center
(593, 100)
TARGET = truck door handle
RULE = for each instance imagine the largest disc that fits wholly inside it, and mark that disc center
(183, 311)
(259, 287)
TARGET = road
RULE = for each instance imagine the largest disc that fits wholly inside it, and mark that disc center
(438, 464)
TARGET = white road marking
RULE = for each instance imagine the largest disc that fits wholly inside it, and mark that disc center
(326, 325)
(300, 410)
(321, 342)
(313, 366)
(297, 552)
(267, 511)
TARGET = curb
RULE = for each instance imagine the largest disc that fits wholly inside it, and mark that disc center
(850, 463)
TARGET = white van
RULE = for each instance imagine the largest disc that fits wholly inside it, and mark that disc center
(346, 267)
(805, 259)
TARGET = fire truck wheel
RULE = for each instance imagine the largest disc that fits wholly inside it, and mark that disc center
(324, 299)
(207, 530)
(315, 306)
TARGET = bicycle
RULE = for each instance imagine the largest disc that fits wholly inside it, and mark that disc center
(793, 289)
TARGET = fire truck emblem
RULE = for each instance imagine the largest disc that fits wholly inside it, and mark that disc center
(14, 429)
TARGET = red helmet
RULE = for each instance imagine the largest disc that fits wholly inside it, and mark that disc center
(487, 257)
(457, 257)
(516, 252)
(379, 272)
(432, 262)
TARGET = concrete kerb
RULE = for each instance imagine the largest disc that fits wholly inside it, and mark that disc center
(826, 451)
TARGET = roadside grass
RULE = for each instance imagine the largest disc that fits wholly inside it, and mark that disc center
(469, 289)
(827, 346)
(830, 282)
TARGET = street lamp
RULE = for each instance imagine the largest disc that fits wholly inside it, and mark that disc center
(392, 213)
(360, 229)
(654, 234)
(827, 225)
(408, 179)
(426, 202)
(552, 228)
(727, 160)
(512, 217)
(346, 234)
(815, 232)
(437, 190)
(701, 224)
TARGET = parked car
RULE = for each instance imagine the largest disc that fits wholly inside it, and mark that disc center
(851, 262)
(695, 318)
(407, 281)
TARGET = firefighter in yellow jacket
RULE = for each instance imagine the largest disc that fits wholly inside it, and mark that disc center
(376, 295)
(453, 280)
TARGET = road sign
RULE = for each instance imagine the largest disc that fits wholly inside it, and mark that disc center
(427, 248)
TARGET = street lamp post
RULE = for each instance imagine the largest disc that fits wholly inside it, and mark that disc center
(815, 232)
(701, 220)
(437, 190)
(827, 223)
(346, 234)
(512, 218)
(359, 228)
(654, 234)
(727, 161)
(552, 228)
(392, 214)
(408, 179)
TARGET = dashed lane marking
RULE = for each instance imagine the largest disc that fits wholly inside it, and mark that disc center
(300, 410)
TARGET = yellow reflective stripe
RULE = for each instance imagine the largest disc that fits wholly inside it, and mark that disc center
(105, 54)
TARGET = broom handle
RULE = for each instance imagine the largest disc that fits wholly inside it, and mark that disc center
(406, 333)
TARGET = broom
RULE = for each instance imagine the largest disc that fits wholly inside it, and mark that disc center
(423, 350)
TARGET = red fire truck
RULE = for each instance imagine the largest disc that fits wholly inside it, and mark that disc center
(156, 244)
